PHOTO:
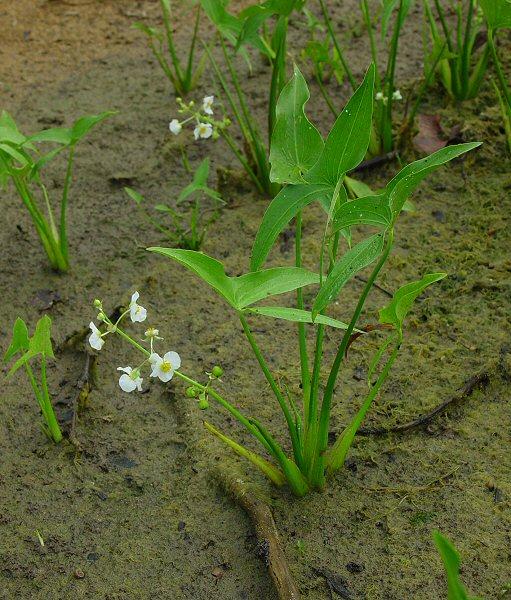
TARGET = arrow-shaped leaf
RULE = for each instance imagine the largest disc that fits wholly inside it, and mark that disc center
(295, 144)
(356, 259)
(395, 312)
(348, 140)
(284, 207)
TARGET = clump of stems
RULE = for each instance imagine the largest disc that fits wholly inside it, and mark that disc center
(22, 163)
(183, 75)
(463, 66)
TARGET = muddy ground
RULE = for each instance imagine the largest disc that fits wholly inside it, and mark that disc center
(137, 513)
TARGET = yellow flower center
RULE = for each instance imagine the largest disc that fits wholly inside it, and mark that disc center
(166, 366)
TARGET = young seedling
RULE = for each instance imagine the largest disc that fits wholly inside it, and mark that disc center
(452, 563)
(22, 163)
(312, 170)
(30, 348)
(188, 229)
(182, 77)
(498, 16)
(465, 60)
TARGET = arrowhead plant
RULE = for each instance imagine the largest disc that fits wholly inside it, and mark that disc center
(312, 170)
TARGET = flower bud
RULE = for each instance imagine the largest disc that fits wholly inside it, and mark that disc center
(203, 402)
(97, 303)
(191, 392)
(217, 371)
(101, 316)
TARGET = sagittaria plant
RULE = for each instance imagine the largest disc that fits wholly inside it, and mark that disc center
(22, 163)
(313, 170)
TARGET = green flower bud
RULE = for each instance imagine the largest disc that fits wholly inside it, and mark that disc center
(217, 371)
(203, 401)
(191, 392)
(97, 303)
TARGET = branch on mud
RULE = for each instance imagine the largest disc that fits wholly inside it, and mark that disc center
(83, 387)
(477, 382)
(266, 531)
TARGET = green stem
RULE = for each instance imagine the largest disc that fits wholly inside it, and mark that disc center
(48, 412)
(498, 67)
(278, 394)
(63, 205)
(318, 475)
(302, 336)
(336, 456)
(328, 23)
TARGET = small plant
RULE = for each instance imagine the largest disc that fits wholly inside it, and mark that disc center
(498, 16)
(383, 136)
(313, 170)
(250, 28)
(39, 345)
(452, 562)
(465, 60)
(188, 229)
(182, 77)
(22, 163)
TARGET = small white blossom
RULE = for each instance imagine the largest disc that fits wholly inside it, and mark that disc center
(130, 380)
(164, 367)
(207, 104)
(397, 95)
(137, 313)
(95, 339)
(379, 96)
(203, 130)
(175, 126)
(152, 333)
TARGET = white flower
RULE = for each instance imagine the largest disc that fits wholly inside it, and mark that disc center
(397, 95)
(175, 126)
(164, 368)
(152, 333)
(203, 130)
(379, 96)
(137, 313)
(130, 380)
(95, 339)
(207, 104)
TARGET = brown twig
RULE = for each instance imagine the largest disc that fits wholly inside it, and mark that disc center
(84, 387)
(477, 382)
(375, 162)
(266, 532)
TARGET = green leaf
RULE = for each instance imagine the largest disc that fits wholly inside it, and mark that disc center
(357, 188)
(372, 210)
(134, 195)
(149, 31)
(452, 563)
(348, 140)
(252, 287)
(295, 144)
(247, 289)
(497, 13)
(208, 269)
(395, 312)
(388, 8)
(356, 259)
(286, 205)
(199, 184)
(18, 154)
(407, 180)
(295, 315)
(19, 341)
(228, 25)
(58, 135)
(39, 343)
(83, 125)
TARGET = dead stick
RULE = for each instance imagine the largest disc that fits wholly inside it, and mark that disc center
(266, 532)
(479, 381)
